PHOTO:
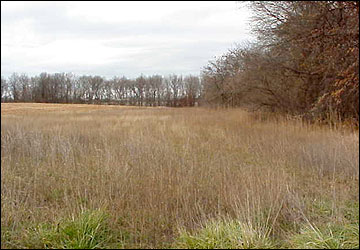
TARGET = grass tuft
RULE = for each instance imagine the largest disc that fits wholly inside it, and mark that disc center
(225, 234)
(327, 237)
(87, 231)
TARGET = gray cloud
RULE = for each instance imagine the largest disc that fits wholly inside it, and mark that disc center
(45, 37)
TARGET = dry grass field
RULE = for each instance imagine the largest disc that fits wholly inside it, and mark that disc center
(88, 176)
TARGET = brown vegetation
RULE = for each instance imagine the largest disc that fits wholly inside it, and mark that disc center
(305, 62)
(156, 170)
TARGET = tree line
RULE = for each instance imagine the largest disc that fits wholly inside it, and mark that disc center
(305, 61)
(156, 90)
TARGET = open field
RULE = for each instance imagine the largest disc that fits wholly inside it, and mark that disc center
(92, 176)
(35, 108)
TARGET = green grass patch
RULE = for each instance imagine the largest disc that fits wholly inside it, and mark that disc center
(225, 234)
(87, 231)
(351, 211)
(331, 236)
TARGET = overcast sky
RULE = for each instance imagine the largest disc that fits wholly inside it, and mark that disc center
(118, 38)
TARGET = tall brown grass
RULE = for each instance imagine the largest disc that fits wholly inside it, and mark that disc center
(158, 170)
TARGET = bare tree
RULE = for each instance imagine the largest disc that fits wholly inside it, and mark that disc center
(4, 89)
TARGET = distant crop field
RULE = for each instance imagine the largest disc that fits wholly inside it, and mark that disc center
(103, 176)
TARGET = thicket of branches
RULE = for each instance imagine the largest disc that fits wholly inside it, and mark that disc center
(305, 61)
(155, 90)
